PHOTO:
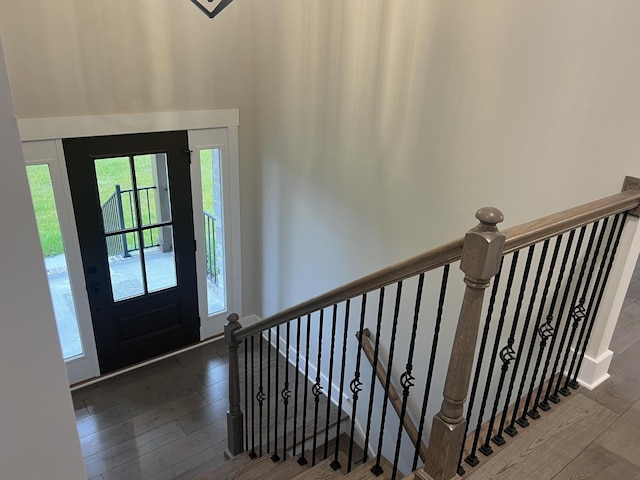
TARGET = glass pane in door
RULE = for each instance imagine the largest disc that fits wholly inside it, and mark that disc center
(211, 174)
(55, 261)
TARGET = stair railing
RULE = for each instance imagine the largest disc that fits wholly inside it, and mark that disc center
(394, 398)
(289, 379)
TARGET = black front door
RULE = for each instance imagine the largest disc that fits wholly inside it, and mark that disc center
(132, 201)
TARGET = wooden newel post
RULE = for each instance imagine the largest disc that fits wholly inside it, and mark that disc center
(234, 414)
(481, 254)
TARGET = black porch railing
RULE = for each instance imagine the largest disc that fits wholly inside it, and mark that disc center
(305, 363)
(118, 213)
(211, 253)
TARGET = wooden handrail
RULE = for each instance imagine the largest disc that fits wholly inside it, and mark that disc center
(550, 226)
(394, 397)
(430, 260)
(517, 237)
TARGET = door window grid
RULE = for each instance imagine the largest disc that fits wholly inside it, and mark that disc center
(137, 224)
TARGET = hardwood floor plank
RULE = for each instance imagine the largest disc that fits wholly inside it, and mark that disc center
(209, 459)
(623, 437)
(596, 462)
(627, 330)
(203, 416)
(162, 458)
(113, 457)
(129, 408)
(142, 423)
(542, 450)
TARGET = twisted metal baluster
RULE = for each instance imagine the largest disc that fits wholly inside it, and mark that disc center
(545, 331)
(485, 448)
(356, 385)
(406, 379)
(330, 381)
(317, 388)
(471, 459)
(246, 394)
(260, 398)
(268, 390)
(286, 393)
(511, 429)
(374, 366)
(600, 295)
(275, 457)
(295, 390)
(573, 313)
(335, 464)
(432, 361)
(508, 354)
(377, 468)
(253, 454)
(302, 460)
(549, 331)
(581, 311)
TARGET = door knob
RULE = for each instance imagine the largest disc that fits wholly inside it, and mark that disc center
(95, 287)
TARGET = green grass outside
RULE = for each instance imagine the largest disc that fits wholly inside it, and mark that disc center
(109, 173)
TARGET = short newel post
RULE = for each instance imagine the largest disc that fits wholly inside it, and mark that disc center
(234, 414)
(482, 251)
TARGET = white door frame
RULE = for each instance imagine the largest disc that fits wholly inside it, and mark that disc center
(35, 133)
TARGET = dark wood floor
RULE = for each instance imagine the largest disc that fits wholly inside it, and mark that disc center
(164, 419)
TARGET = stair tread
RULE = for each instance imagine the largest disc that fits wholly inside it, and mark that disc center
(363, 472)
(323, 470)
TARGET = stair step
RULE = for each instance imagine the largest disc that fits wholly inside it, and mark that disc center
(363, 472)
(323, 470)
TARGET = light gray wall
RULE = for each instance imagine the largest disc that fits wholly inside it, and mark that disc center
(38, 437)
(74, 57)
(380, 127)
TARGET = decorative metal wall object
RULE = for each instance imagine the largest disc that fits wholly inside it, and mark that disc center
(207, 11)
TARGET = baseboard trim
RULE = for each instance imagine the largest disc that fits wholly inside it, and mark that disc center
(594, 371)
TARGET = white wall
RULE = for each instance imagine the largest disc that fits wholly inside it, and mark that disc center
(382, 126)
(73, 57)
(38, 437)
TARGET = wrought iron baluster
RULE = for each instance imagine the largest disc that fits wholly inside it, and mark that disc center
(555, 328)
(317, 387)
(286, 393)
(334, 320)
(581, 311)
(600, 295)
(508, 354)
(485, 448)
(302, 460)
(246, 394)
(571, 318)
(432, 361)
(295, 389)
(335, 464)
(544, 330)
(356, 385)
(593, 310)
(377, 468)
(268, 390)
(511, 429)
(260, 395)
(253, 454)
(275, 457)
(407, 378)
(374, 366)
(471, 459)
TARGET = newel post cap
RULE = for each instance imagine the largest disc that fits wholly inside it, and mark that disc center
(233, 324)
(483, 247)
